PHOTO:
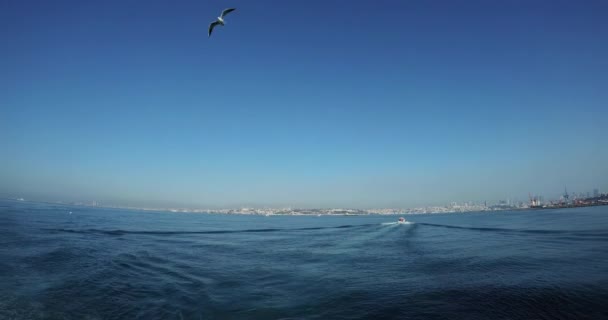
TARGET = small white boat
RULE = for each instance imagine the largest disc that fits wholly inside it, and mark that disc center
(402, 220)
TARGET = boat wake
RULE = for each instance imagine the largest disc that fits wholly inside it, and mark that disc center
(600, 234)
(396, 223)
(167, 233)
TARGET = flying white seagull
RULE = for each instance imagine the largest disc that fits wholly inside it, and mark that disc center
(220, 19)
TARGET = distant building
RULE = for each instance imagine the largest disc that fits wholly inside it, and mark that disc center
(596, 193)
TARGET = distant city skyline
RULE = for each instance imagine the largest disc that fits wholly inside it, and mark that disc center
(424, 103)
(511, 201)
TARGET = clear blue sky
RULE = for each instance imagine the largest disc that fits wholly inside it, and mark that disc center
(302, 103)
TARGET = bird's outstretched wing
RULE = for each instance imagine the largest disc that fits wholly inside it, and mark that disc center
(227, 11)
(212, 25)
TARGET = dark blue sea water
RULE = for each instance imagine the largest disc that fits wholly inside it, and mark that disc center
(120, 264)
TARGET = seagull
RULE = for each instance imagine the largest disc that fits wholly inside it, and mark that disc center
(220, 19)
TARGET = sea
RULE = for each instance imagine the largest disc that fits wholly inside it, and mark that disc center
(68, 262)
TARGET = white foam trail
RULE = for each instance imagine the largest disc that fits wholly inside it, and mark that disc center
(392, 223)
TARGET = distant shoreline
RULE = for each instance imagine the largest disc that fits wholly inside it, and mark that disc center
(570, 206)
(316, 212)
